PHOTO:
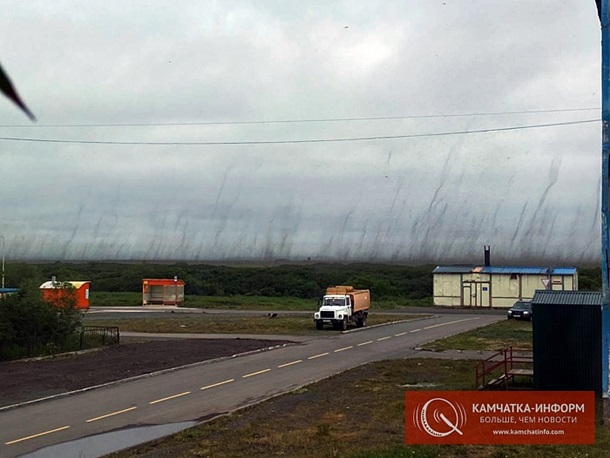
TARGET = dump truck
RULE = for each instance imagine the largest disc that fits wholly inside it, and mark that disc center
(343, 305)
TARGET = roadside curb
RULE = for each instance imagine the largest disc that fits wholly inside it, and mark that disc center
(139, 377)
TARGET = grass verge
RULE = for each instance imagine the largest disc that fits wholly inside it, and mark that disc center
(230, 324)
(496, 336)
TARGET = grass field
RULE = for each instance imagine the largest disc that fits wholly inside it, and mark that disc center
(230, 324)
(104, 299)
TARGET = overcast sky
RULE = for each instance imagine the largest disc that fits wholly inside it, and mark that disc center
(178, 146)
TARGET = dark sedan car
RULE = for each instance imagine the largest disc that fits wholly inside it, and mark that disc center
(522, 310)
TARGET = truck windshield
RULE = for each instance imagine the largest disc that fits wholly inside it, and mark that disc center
(334, 301)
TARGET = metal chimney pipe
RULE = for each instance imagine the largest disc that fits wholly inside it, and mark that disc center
(487, 255)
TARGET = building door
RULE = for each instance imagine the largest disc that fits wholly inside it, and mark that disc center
(467, 294)
(476, 294)
(483, 294)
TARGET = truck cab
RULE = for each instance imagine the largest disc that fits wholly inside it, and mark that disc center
(336, 301)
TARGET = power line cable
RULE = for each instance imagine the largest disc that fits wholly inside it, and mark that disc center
(313, 140)
(295, 121)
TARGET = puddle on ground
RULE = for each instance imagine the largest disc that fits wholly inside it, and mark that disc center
(103, 444)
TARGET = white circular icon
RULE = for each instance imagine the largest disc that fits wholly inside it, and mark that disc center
(440, 417)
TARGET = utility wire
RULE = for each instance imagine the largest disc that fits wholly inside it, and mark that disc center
(295, 121)
(313, 140)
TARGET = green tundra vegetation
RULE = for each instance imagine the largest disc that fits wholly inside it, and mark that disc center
(305, 281)
(301, 281)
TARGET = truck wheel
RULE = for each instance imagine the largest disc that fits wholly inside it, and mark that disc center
(343, 324)
(319, 324)
(363, 321)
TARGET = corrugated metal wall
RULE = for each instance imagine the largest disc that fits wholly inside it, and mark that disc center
(567, 347)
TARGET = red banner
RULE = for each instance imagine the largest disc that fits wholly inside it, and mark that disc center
(500, 417)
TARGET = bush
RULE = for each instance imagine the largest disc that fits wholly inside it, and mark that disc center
(31, 326)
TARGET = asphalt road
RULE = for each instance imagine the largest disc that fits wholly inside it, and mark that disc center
(207, 390)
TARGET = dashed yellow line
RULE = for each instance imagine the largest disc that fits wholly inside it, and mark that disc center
(112, 414)
(170, 397)
(318, 356)
(36, 435)
(365, 343)
(255, 373)
(291, 363)
(344, 348)
(384, 338)
(217, 384)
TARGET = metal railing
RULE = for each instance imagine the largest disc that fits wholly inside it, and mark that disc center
(96, 336)
(503, 366)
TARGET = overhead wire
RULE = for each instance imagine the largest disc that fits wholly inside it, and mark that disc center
(297, 141)
(311, 120)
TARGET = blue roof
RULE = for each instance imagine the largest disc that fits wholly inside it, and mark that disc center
(567, 297)
(452, 270)
(524, 270)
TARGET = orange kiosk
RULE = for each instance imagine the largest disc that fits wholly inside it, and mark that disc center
(54, 291)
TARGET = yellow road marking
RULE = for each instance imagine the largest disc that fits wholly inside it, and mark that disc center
(291, 363)
(255, 373)
(343, 349)
(170, 397)
(36, 435)
(384, 338)
(399, 334)
(112, 414)
(365, 343)
(217, 384)
(450, 322)
(318, 356)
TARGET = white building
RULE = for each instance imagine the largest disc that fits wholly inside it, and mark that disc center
(497, 286)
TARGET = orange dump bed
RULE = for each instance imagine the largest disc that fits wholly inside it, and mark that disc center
(360, 298)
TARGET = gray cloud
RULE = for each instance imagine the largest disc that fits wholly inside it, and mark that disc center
(532, 194)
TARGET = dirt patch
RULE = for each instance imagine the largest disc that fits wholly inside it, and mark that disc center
(22, 381)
